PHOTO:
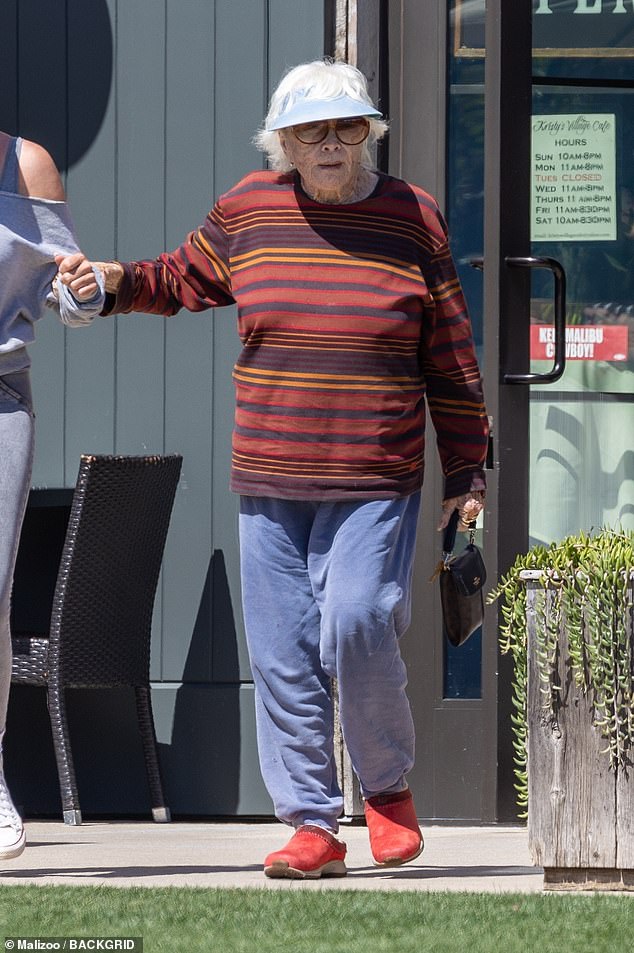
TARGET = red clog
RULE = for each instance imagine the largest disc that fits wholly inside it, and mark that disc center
(312, 852)
(395, 836)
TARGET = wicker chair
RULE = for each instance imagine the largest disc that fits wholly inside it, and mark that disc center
(101, 616)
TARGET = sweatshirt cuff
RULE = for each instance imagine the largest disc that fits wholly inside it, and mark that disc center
(467, 481)
(75, 313)
(121, 302)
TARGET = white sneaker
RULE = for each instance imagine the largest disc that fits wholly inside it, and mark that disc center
(12, 836)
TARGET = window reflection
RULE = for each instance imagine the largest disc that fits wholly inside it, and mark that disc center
(582, 464)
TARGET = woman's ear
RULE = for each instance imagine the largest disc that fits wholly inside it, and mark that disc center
(288, 152)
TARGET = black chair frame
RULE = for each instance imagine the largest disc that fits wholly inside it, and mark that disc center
(101, 617)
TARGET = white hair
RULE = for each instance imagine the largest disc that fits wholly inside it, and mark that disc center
(322, 79)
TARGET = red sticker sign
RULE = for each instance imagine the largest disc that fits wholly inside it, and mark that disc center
(584, 342)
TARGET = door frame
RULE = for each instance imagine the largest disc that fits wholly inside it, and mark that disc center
(507, 182)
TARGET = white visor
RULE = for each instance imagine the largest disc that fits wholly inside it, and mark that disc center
(297, 109)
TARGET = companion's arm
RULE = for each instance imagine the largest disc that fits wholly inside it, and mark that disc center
(38, 177)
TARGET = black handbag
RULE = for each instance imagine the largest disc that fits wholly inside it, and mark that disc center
(462, 579)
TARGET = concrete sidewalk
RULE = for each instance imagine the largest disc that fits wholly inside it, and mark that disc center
(201, 854)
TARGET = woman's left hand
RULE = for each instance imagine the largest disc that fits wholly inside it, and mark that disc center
(469, 506)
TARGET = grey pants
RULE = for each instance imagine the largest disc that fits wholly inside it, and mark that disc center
(16, 460)
(326, 594)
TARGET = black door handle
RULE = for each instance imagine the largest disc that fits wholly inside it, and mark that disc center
(559, 363)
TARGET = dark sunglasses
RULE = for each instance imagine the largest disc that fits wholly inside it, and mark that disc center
(350, 132)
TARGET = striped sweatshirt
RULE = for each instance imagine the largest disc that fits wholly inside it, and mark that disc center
(351, 317)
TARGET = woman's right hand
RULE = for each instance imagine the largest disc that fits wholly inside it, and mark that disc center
(76, 272)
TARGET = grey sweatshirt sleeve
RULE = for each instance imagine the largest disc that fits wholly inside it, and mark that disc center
(74, 313)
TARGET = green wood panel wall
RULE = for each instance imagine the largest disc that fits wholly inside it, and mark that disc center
(149, 107)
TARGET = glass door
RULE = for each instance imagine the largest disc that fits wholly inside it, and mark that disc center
(541, 197)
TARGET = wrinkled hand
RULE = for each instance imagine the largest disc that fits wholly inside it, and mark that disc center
(469, 505)
(76, 271)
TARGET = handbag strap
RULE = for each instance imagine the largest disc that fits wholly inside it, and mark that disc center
(449, 539)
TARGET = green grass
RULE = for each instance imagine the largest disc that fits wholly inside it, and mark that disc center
(321, 921)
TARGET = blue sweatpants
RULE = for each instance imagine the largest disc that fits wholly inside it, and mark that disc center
(326, 591)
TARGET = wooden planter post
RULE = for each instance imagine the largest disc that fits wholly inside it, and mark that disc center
(580, 810)
(348, 781)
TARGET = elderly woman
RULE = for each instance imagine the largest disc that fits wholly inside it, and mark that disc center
(35, 229)
(350, 312)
